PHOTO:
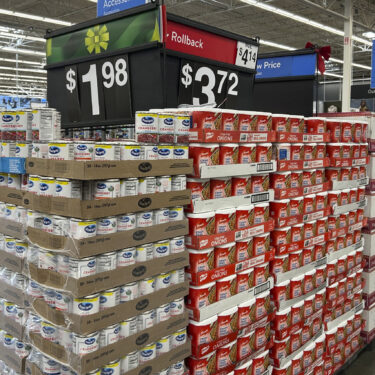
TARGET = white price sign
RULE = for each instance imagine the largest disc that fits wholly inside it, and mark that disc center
(247, 55)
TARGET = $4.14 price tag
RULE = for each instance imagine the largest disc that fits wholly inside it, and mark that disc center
(247, 55)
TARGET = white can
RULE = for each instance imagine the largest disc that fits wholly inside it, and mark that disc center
(49, 296)
(85, 344)
(23, 150)
(163, 184)
(60, 225)
(9, 341)
(33, 184)
(65, 370)
(82, 228)
(107, 189)
(163, 313)
(177, 276)
(149, 152)
(47, 224)
(82, 267)
(24, 182)
(178, 182)
(67, 188)
(86, 305)
(145, 219)
(106, 262)
(21, 214)
(178, 368)
(177, 307)
(145, 252)
(177, 244)
(63, 302)
(129, 187)
(109, 298)
(107, 225)
(62, 264)
(39, 150)
(61, 150)
(109, 335)
(161, 249)
(84, 151)
(147, 286)
(165, 152)
(10, 245)
(147, 353)
(107, 151)
(49, 332)
(146, 320)
(112, 368)
(8, 149)
(34, 219)
(21, 248)
(129, 362)
(163, 345)
(126, 222)
(128, 327)
(49, 366)
(3, 179)
(130, 151)
(162, 281)
(129, 292)
(47, 260)
(161, 216)
(176, 213)
(9, 309)
(147, 185)
(181, 152)
(22, 350)
(179, 338)
(126, 257)
(34, 289)
(14, 181)
(10, 212)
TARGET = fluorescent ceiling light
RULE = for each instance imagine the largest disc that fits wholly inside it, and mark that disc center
(301, 19)
(22, 51)
(333, 75)
(40, 71)
(361, 66)
(33, 17)
(21, 36)
(20, 79)
(369, 34)
(22, 76)
(28, 62)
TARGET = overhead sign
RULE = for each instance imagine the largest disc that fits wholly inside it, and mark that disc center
(286, 66)
(372, 84)
(106, 7)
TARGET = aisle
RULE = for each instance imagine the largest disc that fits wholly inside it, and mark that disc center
(364, 364)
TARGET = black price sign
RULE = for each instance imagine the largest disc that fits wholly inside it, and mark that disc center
(98, 90)
(206, 84)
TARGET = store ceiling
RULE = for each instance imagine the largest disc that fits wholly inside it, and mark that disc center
(238, 16)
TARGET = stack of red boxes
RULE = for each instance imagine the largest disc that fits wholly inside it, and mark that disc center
(229, 243)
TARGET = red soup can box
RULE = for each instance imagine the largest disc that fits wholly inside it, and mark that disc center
(201, 224)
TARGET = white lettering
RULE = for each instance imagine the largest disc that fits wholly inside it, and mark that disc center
(184, 39)
(271, 65)
(112, 3)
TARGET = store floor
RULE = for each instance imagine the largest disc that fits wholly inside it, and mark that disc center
(364, 364)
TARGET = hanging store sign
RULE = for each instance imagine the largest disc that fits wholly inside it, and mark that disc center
(105, 7)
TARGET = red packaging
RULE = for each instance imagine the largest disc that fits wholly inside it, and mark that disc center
(362, 172)
(360, 213)
(241, 185)
(224, 254)
(356, 235)
(225, 287)
(295, 341)
(330, 245)
(333, 174)
(332, 292)
(201, 296)
(307, 255)
(261, 363)
(334, 150)
(352, 216)
(320, 201)
(247, 121)
(205, 365)
(346, 148)
(310, 151)
(357, 321)
(280, 180)
(281, 349)
(280, 209)
(204, 119)
(309, 306)
(334, 128)
(332, 268)
(321, 226)
(334, 198)
(227, 322)
(319, 176)
(201, 260)
(225, 220)
(280, 123)
(319, 296)
(310, 229)
(308, 355)
(358, 260)
(305, 334)
(262, 243)
(297, 366)
(356, 151)
(296, 287)
(201, 224)
(350, 264)
(229, 121)
(296, 206)
(331, 337)
(264, 152)
(247, 153)
(319, 251)
(260, 183)
(297, 233)
(355, 173)
(281, 292)
(261, 273)
(281, 236)
(343, 220)
(243, 346)
(320, 150)
(296, 124)
(341, 289)
(243, 280)
(297, 151)
(344, 197)
(279, 264)
(228, 153)
(297, 313)
(364, 132)
(357, 132)
(244, 216)
(307, 178)
(261, 213)
(262, 305)
(200, 188)
(340, 243)
(315, 125)
(204, 154)
(295, 260)
(264, 122)
(333, 222)
(363, 150)
(346, 131)
(309, 282)
(203, 332)
(244, 313)
(282, 320)
(360, 194)
(224, 356)
(296, 179)
(345, 174)
(221, 187)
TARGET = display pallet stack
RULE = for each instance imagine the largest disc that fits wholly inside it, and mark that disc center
(95, 233)
(229, 242)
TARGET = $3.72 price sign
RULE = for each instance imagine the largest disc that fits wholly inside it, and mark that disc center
(205, 84)
(98, 90)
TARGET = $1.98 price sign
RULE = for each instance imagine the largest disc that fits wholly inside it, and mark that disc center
(98, 90)
(205, 84)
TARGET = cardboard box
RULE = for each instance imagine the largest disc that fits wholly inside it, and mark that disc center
(369, 278)
(369, 246)
(300, 137)
(154, 366)
(294, 165)
(12, 327)
(343, 318)
(102, 319)
(12, 196)
(12, 262)
(233, 136)
(370, 207)
(349, 162)
(12, 360)
(297, 192)
(371, 167)
(94, 170)
(101, 357)
(369, 318)
(107, 242)
(109, 279)
(12, 229)
(104, 207)
(14, 295)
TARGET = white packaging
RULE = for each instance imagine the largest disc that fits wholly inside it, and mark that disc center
(369, 287)
(370, 207)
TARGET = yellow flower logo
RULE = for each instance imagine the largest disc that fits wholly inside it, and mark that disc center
(97, 39)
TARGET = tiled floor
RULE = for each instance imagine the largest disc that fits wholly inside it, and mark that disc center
(364, 364)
